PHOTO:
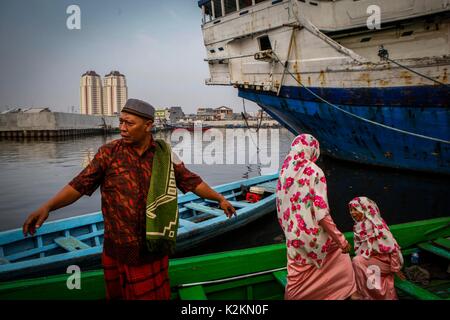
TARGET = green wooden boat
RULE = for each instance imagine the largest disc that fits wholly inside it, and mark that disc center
(250, 274)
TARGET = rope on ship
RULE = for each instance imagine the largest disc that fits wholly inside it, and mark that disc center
(384, 55)
(354, 115)
(382, 52)
(244, 116)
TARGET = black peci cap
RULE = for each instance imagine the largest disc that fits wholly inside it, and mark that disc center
(139, 108)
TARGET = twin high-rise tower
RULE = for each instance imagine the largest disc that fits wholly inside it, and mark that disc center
(107, 98)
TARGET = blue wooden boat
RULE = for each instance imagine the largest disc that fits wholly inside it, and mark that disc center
(79, 240)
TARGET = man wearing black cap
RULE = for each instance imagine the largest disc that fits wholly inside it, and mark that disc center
(138, 177)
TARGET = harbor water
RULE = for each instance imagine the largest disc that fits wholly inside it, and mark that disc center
(32, 171)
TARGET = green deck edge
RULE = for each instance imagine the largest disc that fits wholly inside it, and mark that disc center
(281, 277)
(192, 293)
(443, 242)
(216, 266)
(247, 282)
(435, 250)
(415, 291)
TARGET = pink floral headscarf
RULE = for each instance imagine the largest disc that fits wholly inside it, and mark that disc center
(372, 234)
(302, 202)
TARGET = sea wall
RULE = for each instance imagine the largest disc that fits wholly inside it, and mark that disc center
(54, 124)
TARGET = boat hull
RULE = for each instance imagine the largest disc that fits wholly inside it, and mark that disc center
(418, 110)
(79, 240)
(261, 265)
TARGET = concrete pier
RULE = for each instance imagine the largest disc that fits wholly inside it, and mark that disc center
(55, 124)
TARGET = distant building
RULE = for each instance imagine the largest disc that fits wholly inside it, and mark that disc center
(161, 117)
(206, 114)
(91, 94)
(169, 115)
(190, 117)
(258, 114)
(115, 93)
(223, 113)
(265, 115)
(175, 114)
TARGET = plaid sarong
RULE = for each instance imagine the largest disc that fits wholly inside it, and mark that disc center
(144, 282)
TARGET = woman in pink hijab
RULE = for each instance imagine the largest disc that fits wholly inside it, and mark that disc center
(378, 256)
(319, 266)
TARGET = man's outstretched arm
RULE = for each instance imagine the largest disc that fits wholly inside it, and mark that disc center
(65, 197)
(203, 190)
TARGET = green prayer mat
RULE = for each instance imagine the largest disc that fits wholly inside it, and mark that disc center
(162, 204)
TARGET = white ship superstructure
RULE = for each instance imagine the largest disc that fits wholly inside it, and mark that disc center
(326, 43)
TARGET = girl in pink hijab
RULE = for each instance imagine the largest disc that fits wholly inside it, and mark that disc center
(319, 266)
(378, 256)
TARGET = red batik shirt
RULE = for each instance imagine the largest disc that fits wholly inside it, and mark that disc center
(124, 180)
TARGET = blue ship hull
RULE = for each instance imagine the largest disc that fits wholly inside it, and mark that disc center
(423, 110)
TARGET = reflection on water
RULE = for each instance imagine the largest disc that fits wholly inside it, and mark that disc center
(402, 196)
(32, 171)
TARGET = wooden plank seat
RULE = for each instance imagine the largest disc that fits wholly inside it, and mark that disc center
(188, 224)
(203, 208)
(236, 204)
(270, 186)
(71, 244)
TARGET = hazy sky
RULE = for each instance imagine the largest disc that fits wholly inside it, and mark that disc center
(158, 45)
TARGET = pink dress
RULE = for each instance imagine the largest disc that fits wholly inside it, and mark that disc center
(389, 263)
(335, 280)
(317, 268)
(378, 255)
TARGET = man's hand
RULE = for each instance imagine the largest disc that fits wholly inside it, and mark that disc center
(227, 207)
(205, 191)
(66, 196)
(35, 221)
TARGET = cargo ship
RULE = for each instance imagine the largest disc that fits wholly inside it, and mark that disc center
(369, 79)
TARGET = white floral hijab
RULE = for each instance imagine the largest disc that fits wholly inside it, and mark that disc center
(302, 202)
(371, 234)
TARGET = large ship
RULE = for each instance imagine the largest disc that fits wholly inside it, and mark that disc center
(368, 78)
